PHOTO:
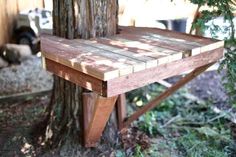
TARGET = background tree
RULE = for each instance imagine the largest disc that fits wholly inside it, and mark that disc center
(77, 19)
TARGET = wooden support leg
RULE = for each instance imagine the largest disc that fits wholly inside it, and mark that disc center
(166, 93)
(97, 110)
(121, 111)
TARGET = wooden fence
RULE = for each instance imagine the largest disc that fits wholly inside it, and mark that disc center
(8, 11)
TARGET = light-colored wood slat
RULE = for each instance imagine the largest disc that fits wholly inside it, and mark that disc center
(160, 54)
(207, 44)
(91, 63)
(104, 43)
(136, 37)
(80, 62)
(117, 59)
(185, 49)
(168, 33)
(162, 39)
(197, 44)
(141, 49)
(149, 61)
(125, 65)
(139, 79)
(195, 47)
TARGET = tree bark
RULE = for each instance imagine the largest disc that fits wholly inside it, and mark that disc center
(77, 19)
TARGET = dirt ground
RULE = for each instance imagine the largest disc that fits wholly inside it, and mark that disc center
(17, 118)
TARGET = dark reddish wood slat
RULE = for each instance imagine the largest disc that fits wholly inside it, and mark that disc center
(79, 78)
(121, 110)
(102, 110)
(139, 79)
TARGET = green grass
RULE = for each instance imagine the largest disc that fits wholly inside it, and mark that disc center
(180, 126)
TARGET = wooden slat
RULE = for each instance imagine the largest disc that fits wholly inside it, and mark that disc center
(95, 65)
(102, 110)
(131, 51)
(161, 55)
(149, 61)
(170, 39)
(166, 94)
(140, 48)
(100, 63)
(207, 43)
(140, 79)
(118, 60)
(89, 99)
(160, 40)
(153, 42)
(79, 78)
(168, 33)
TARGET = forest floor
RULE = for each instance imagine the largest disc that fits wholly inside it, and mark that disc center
(17, 117)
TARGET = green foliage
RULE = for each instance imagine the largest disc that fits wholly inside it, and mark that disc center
(120, 153)
(223, 8)
(185, 127)
(138, 152)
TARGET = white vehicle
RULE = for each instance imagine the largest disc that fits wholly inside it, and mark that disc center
(30, 24)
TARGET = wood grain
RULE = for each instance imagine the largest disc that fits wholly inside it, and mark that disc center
(121, 110)
(151, 75)
(89, 99)
(102, 110)
(133, 50)
(76, 77)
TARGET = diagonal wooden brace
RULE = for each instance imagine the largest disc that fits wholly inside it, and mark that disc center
(165, 94)
(97, 110)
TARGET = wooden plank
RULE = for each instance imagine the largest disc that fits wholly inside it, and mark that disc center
(86, 46)
(166, 94)
(121, 110)
(118, 61)
(140, 48)
(152, 42)
(106, 58)
(144, 50)
(102, 110)
(79, 61)
(88, 108)
(79, 78)
(174, 39)
(168, 33)
(97, 62)
(142, 78)
(178, 44)
(149, 61)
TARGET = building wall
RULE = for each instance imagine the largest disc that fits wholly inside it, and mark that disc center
(8, 11)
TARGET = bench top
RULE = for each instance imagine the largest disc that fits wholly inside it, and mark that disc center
(130, 51)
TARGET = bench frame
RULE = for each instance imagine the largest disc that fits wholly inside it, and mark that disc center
(98, 107)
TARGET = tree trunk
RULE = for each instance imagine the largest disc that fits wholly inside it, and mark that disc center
(77, 19)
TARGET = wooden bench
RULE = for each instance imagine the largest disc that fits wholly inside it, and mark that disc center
(133, 58)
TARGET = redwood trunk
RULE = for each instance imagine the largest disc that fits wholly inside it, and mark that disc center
(77, 19)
